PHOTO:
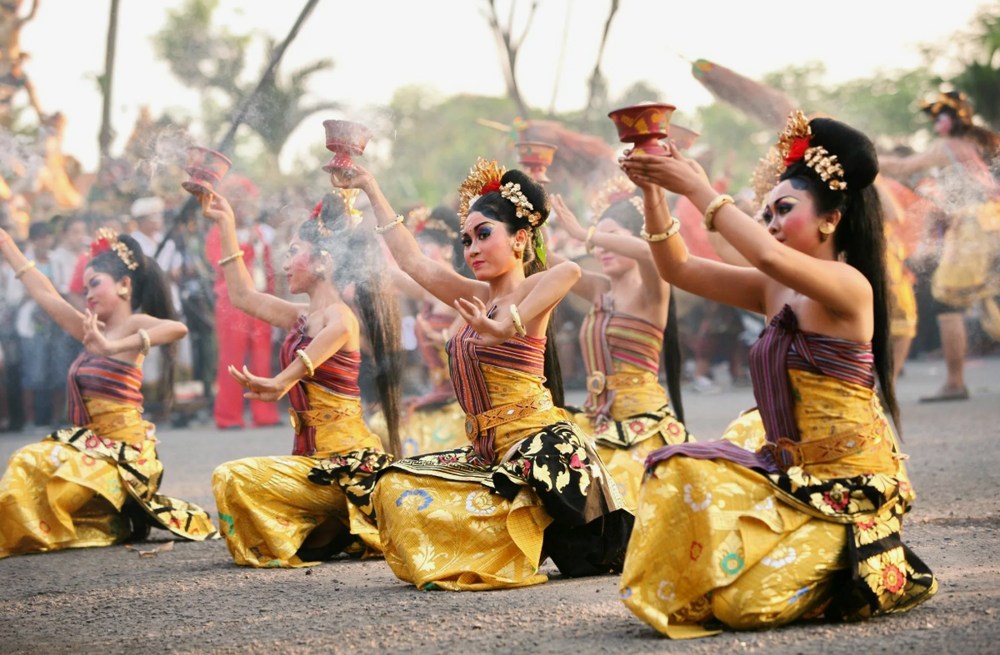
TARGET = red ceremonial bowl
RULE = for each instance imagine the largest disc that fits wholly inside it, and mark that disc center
(644, 126)
(345, 138)
(206, 168)
(536, 157)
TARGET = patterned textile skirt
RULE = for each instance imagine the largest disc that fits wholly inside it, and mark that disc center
(970, 265)
(426, 429)
(450, 520)
(757, 551)
(77, 490)
(269, 505)
(623, 445)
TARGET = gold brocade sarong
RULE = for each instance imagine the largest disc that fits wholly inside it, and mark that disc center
(641, 421)
(968, 270)
(426, 429)
(758, 551)
(451, 520)
(70, 490)
(269, 505)
(902, 301)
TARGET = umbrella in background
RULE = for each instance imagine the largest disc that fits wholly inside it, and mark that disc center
(769, 106)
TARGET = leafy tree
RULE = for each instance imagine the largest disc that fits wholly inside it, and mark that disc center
(979, 77)
(213, 60)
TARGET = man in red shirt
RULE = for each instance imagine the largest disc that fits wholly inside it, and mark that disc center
(241, 338)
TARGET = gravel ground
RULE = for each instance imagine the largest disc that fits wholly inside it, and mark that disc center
(194, 600)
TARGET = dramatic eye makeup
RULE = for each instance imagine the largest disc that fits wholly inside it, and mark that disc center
(482, 232)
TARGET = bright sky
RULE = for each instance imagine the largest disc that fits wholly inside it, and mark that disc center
(379, 45)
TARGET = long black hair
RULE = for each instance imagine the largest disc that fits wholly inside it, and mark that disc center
(358, 260)
(150, 295)
(627, 214)
(860, 235)
(494, 206)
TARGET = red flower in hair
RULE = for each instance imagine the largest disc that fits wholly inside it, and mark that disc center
(99, 246)
(316, 210)
(490, 186)
(797, 151)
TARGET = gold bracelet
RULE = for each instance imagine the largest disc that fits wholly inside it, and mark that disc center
(516, 319)
(713, 208)
(144, 349)
(231, 258)
(301, 354)
(674, 228)
(24, 269)
(380, 229)
(589, 242)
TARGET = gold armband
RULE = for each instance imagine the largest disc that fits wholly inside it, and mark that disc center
(713, 208)
(516, 319)
(310, 369)
(144, 348)
(24, 269)
(589, 243)
(381, 229)
(674, 228)
(231, 258)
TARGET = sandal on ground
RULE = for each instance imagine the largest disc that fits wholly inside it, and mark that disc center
(946, 395)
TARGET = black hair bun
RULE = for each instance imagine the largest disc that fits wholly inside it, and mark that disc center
(532, 190)
(855, 151)
(333, 208)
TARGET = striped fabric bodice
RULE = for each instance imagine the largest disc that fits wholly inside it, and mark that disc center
(519, 354)
(783, 347)
(338, 374)
(610, 340)
(93, 376)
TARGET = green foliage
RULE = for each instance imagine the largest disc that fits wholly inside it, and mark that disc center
(980, 75)
(734, 139)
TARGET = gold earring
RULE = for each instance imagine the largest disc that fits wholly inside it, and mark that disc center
(123, 292)
(827, 228)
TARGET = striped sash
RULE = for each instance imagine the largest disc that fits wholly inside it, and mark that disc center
(93, 376)
(338, 374)
(784, 346)
(607, 337)
(523, 354)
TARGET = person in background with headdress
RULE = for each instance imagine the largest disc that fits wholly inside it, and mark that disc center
(302, 509)
(966, 156)
(798, 510)
(480, 517)
(96, 484)
(241, 338)
(631, 327)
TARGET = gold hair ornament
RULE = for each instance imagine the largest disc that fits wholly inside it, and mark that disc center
(419, 219)
(110, 237)
(961, 105)
(765, 177)
(615, 189)
(482, 175)
(794, 145)
(523, 207)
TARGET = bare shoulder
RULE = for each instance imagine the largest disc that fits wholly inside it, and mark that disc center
(340, 318)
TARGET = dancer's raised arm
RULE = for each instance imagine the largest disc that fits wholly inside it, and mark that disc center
(239, 283)
(443, 283)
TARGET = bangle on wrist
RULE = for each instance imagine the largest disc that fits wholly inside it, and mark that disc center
(381, 229)
(144, 348)
(713, 208)
(589, 242)
(515, 318)
(310, 369)
(24, 269)
(671, 230)
(231, 258)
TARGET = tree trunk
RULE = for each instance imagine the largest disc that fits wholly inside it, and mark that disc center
(107, 134)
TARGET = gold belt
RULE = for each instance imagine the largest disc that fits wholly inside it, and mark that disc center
(115, 422)
(598, 382)
(315, 417)
(475, 424)
(791, 453)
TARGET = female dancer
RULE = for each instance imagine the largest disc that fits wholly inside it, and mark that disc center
(478, 517)
(299, 510)
(434, 421)
(626, 411)
(95, 484)
(968, 271)
(809, 521)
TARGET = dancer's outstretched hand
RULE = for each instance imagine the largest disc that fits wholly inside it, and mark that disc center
(267, 389)
(492, 331)
(216, 208)
(565, 218)
(672, 172)
(93, 337)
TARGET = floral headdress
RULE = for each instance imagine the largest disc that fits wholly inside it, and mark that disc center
(354, 216)
(485, 177)
(107, 239)
(615, 190)
(794, 145)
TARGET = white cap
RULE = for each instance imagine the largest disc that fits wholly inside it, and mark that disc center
(147, 207)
